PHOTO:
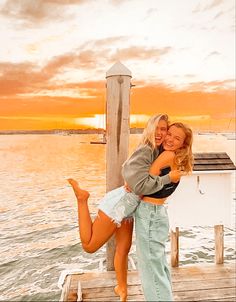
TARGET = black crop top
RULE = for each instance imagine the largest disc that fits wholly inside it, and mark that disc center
(168, 189)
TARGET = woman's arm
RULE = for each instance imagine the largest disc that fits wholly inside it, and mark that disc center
(136, 172)
(165, 159)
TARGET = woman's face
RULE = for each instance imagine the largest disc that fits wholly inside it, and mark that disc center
(160, 133)
(174, 139)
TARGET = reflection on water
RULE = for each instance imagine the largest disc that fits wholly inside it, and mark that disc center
(39, 236)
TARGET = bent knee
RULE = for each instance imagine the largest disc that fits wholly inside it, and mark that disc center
(89, 248)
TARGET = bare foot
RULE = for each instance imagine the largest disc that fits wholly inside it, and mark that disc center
(121, 293)
(80, 194)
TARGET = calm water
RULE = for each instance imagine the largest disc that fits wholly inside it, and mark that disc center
(38, 215)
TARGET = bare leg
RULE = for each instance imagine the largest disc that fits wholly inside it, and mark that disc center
(83, 211)
(92, 234)
(123, 237)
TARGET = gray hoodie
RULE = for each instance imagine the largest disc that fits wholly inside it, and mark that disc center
(135, 171)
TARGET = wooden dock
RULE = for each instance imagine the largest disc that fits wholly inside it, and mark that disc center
(205, 282)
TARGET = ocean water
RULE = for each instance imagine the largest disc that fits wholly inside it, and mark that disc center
(38, 215)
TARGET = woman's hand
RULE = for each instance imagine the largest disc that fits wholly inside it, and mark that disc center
(175, 175)
(127, 188)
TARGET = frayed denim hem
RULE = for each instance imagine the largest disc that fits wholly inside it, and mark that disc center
(126, 219)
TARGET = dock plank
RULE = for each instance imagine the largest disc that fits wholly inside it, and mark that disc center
(207, 282)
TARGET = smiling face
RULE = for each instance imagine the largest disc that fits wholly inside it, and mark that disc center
(160, 133)
(174, 139)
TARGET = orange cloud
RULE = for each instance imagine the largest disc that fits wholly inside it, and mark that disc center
(18, 78)
(140, 53)
(33, 12)
(160, 98)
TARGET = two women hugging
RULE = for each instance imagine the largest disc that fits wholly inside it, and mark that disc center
(151, 174)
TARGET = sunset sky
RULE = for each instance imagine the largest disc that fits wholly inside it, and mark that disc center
(54, 56)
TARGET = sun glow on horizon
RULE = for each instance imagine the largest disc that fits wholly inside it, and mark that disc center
(99, 121)
(138, 120)
(96, 121)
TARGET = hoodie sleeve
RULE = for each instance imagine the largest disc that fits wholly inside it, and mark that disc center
(136, 172)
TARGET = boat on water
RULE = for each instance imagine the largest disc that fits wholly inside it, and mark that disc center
(97, 142)
(102, 141)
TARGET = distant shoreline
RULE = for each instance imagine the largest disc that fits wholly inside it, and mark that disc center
(92, 131)
(63, 131)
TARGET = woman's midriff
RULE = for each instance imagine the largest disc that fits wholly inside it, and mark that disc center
(159, 201)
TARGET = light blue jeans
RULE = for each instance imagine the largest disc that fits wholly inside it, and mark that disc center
(152, 228)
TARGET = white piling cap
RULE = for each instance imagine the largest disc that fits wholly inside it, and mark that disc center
(118, 69)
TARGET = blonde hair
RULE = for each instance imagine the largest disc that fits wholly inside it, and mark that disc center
(184, 156)
(148, 136)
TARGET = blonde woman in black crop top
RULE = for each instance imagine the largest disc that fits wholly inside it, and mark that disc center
(151, 218)
(177, 155)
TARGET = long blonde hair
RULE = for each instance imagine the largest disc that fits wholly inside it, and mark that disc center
(148, 136)
(184, 156)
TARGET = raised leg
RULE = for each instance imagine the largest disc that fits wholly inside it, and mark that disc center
(92, 234)
(123, 236)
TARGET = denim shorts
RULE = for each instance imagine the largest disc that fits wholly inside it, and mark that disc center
(152, 228)
(119, 204)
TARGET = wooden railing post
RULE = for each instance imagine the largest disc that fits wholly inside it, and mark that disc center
(117, 130)
(174, 243)
(219, 244)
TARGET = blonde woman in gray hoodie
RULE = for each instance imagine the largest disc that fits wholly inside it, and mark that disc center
(116, 208)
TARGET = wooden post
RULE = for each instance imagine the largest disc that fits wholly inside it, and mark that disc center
(219, 244)
(117, 130)
(174, 240)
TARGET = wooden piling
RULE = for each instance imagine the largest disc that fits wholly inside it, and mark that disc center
(174, 240)
(117, 129)
(219, 244)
